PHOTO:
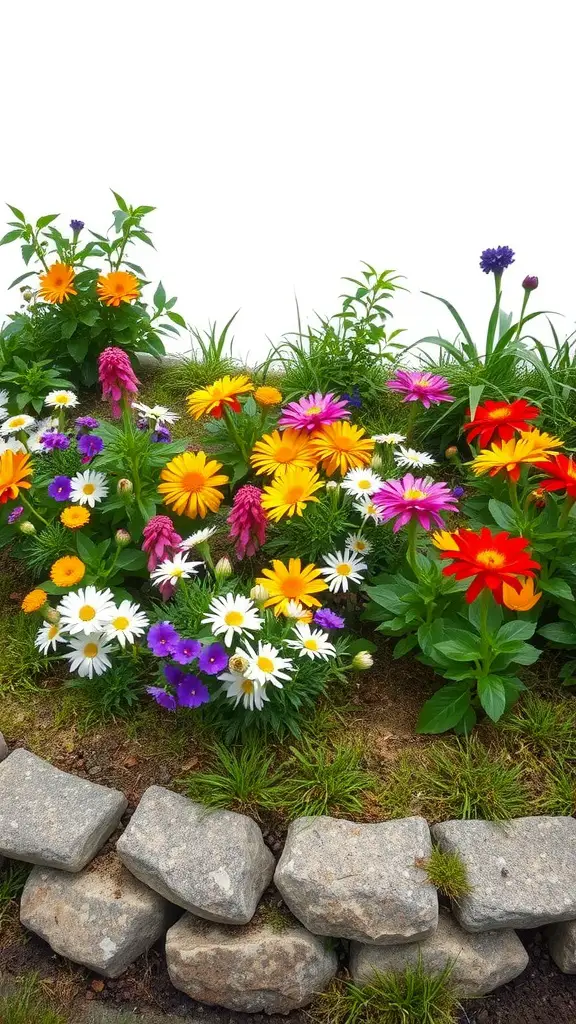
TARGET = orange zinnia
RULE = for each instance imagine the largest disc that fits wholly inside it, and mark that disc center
(524, 600)
(268, 396)
(14, 468)
(57, 284)
(117, 287)
(342, 446)
(34, 601)
(67, 571)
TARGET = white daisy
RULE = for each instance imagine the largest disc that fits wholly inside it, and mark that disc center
(61, 399)
(361, 481)
(48, 636)
(342, 568)
(356, 542)
(388, 438)
(87, 611)
(312, 643)
(265, 665)
(294, 610)
(127, 621)
(33, 442)
(173, 569)
(232, 614)
(412, 459)
(88, 487)
(12, 445)
(368, 509)
(15, 423)
(157, 413)
(200, 537)
(88, 655)
(249, 691)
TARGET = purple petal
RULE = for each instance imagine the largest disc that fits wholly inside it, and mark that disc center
(166, 700)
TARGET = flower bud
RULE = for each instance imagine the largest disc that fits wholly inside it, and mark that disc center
(27, 528)
(293, 610)
(259, 594)
(538, 497)
(530, 283)
(238, 664)
(27, 294)
(52, 615)
(377, 463)
(458, 492)
(124, 486)
(362, 661)
(122, 538)
(332, 485)
(451, 452)
(223, 568)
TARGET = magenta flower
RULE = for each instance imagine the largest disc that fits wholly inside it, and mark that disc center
(414, 498)
(314, 411)
(116, 377)
(247, 521)
(160, 540)
(427, 388)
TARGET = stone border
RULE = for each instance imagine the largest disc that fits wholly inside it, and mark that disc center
(196, 876)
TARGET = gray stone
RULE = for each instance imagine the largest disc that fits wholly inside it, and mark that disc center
(359, 882)
(101, 917)
(480, 963)
(522, 872)
(51, 818)
(251, 969)
(562, 945)
(213, 863)
(3, 748)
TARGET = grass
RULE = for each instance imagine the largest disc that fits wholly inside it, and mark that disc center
(241, 779)
(12, 881)
(20, 661)
(408, 997)
(325, 780)
(545, 726)
(447, 871)
(28, 1004)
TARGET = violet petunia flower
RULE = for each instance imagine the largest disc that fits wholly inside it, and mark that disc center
(314, 411)
(53, 439)
(355, 399)
(86, 423)
(186, 650)
(414, 498)
(162, 638)
(458, 492)
(247, 521)
(191, 692)
(162, 697)
(213, 659)
(328, 619)
(60, 488)
(161, 435)
(173, 674)
(495, 261)
(427, 388)
(90, 445)
(15, 514)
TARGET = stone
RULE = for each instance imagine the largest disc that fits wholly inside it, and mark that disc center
(50, 818)
(522, 872)
(252, 969)
(562, 945)
(101, 917)
(212, 863)
(357, 881)
(3, 748)
(480, 963)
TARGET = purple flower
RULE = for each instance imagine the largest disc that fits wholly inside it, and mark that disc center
(173, 674)
(53, 439)
(86, 423)
(15, 514)
(161, 435)
(186, 650)
(213, 659)
(164, 699)
(530, 283)
(89, 445)
(458, 492)
(414, 498)
(191, 692)
(495, 261)
(142, 423)
(328, 620)
(76, 226)
(354, 399)
(61, 488)
(417, 386)
(161, 639)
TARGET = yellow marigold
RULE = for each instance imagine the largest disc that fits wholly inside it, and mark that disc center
(117, 287)
(268, 396)
(67, 571)
(14, 468)
(445, 540)
(222, 394)
(275, 451)
(532, 448)
(289, 492)
(291, 583)
(341, 446)
(523, 601)
(75, 516)
(190, 484)
(57, 284)
(34, 601)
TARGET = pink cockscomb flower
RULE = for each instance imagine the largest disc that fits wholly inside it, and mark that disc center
(160, 542)
(314, 411)
(247, 521)
(414, 498)
(116, 377)
(427, 388)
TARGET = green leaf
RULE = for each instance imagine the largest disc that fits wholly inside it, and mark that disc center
(474, 394)
(445, 709)
(557, 587)
(250, 408)
(22, 277)
(466, 724)
(519, 629)
(121, 202)
(87, 550)
(502, 514)
(27, 253)
(460, 645)
(119, 219)
(527, 655)
(68, 328)
(11, 236)
(17, 213)
(387, 596)
(90, 317)
(406, 644)
(131, 558)
(177, 319)
(47, 219)
(78, 348)
(160, 296)
(560, 633)
(494, 617)
(492, 696)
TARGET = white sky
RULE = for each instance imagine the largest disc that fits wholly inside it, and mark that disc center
(284, 142)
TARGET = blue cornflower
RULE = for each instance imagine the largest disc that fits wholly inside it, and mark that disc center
(354, 399)
(76, 226)
(494, 261)
(328, 620)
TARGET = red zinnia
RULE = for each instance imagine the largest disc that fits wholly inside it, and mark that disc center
(491, 558)
(500, 420)
(561, 472)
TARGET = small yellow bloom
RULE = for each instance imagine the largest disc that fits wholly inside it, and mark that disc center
(34, 601)
(67, 571)
(444, 540)
(532, 448)
(289, 492)
(215, 398)
(268, 396)
(523, 601)
(75, 516)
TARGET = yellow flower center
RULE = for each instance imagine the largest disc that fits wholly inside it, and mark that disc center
(344, 569)
(313, 410)
(120, 622)
(292, 586)
(498, 414)
(177, 571)
(90, 650)
(53, 631)
(88, 489)
(58, 280)
(193, 482)
(360, 545)
(371, 509)
(422, 382)
(62, 399)
(17, 421)
(233, 618)
(364, 485)
(284, 453)
(265, 664)
(413, 494)
(343, 443)
(247, 686)
(311, 645)
(491, 559)
(86, 613)
(294, 494)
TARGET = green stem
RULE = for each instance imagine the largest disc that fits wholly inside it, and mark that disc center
(522, 311)
(513, 491)
(485, 600)
(411, 421)
(492, 326)
(233, 431)
(563, 518)
(27, 504)
(129, 435)
(412, 530)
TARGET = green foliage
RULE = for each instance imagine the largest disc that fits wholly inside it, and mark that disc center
(210, 358)
(241, 779)
(13, 877)
(558, 794)
(116, 694)
(545, 726)
(20, 661)
(42, 549)
(408, 997)
(28, 1004)
(29, 383)
(322, 527)
(325, 780)
(447, 871)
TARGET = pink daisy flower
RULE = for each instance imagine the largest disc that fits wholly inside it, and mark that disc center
(247, 521)
(314, 411)
(414, 498)
(427, 388)
(116, 377)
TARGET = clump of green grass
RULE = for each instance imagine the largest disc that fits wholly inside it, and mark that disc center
(325, 780)
(28, 1005)
(241, 779)
(20, 660)
(558, 794)
(544, 725)
(12, 882)
(447, 872)
(408, 997)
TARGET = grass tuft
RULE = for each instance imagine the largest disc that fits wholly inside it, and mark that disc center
(325, 781)
(408, 997)
(27, 1004)
(447, 872)
(12, 881)
(241, 779)
(20, 660)
(543, 725)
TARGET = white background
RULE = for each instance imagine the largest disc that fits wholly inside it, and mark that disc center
(283, 141)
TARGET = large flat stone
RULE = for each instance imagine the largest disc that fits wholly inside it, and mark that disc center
(562, 945)
(213, 863)
(359, 882)
(101, 917)
(251, 969)
(480, 963)
(522, 872)
(50, 818)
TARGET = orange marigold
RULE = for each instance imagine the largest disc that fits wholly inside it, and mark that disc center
(67, 571)
(14, 468)
(117, 287)
(34, 601)
(75, 516)
(57, 284)
(268, 396)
